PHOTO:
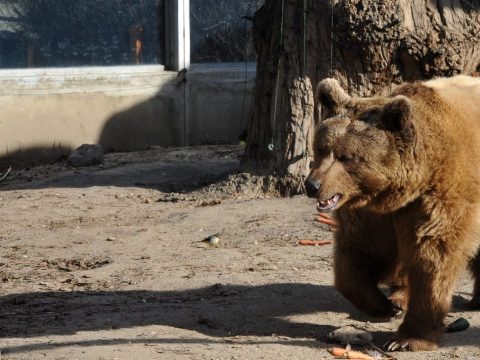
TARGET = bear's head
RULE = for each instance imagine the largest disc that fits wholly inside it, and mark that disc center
(360, 147)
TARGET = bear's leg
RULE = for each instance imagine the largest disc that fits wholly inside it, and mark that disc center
(431, 280)
(356, 279)
(365, 256)
(475, 269)
(399, 287)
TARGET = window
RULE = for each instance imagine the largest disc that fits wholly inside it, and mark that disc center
(175, 33)
(220, 30)
(54, 33)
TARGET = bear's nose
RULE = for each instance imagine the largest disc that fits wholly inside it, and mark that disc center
(312, 186)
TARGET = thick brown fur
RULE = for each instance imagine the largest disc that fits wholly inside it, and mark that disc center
(406, 168)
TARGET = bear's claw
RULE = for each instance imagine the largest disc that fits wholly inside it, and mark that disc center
(394, 345)
(398, 310)
(410, 344)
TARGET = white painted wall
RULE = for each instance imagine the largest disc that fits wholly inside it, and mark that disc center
(123, 108)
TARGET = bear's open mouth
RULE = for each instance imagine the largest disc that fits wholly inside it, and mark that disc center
(329, 204)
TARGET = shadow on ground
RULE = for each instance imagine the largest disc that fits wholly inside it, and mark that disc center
(219, 311)
(167, 170)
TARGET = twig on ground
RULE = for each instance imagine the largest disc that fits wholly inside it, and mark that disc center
(4, 176)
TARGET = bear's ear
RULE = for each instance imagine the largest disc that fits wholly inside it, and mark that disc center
(331, 97)
(396, 117)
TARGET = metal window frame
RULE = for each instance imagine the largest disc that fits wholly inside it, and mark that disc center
(177, 34)
(176, 15)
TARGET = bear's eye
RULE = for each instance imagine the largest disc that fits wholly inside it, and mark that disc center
(344, 158)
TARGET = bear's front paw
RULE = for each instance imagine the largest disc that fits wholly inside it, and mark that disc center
(410, 344)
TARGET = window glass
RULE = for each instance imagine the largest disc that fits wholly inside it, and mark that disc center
(220, 30)
(57, 33)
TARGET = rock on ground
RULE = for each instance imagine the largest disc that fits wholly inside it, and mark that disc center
(86, 155)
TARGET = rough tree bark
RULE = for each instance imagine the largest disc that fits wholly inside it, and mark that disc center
(369, 45)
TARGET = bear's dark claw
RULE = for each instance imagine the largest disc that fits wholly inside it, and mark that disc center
(397, 310)
(394, 345)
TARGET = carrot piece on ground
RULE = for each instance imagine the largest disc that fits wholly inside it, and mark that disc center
(325, 216)
(344, 354)
(314, 242)
(326, 219)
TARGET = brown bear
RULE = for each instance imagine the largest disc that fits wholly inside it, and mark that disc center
(402, 173)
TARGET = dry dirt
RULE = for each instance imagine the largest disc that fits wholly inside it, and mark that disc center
(103, 263)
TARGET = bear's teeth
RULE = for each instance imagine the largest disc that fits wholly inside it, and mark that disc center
(322, 204)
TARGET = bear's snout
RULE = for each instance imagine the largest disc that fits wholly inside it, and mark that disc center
(312, 186)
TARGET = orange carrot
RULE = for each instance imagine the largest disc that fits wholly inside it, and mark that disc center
(326, 219)
(325, 215)
(344, 354)
(314, 242)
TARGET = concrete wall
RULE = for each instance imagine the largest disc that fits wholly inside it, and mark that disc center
(47, 112)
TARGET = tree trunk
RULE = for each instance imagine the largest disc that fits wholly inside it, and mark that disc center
(368, 45)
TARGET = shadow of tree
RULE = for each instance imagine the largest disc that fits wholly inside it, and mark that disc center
(168, 170)
(34, 156)
(218, 310)
(182, 176)
(154, 121)
(144, 341)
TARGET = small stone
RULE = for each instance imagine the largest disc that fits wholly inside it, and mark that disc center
(86, 155)
(460, 324)
(350, 335)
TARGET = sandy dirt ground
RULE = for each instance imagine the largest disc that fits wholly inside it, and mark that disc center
(104, 263)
